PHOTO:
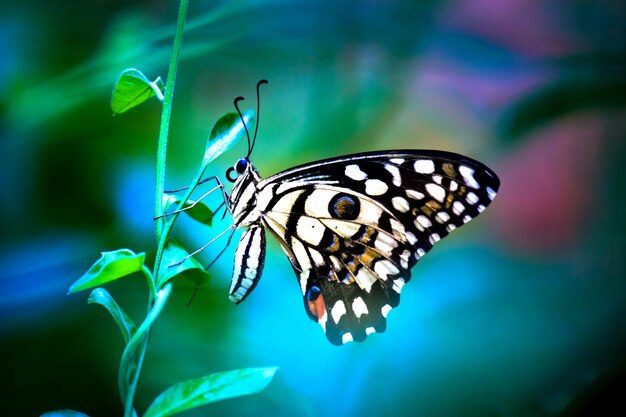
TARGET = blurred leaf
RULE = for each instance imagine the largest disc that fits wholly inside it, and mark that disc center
(133, 88)
(125, 323)
(64, 413)
(171, 266)
(111, 266)
(211, 388)
(225, 133)
(558, 99)
(197, 210)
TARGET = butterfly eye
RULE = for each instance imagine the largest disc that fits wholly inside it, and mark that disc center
(239, 168)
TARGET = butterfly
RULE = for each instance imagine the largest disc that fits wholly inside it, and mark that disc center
(353, 227)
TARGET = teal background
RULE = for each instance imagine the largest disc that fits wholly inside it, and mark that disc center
(520, 313)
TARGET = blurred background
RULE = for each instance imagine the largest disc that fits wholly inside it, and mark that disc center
(520, 313)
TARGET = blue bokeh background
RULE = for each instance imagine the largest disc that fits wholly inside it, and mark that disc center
(519, 313)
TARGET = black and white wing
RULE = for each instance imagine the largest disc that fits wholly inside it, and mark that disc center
(353, 227)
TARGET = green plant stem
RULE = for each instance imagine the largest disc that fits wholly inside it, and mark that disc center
(151, 281)
(135, 351)
(166, 112)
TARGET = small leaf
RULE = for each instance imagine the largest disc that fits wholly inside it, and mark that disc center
(171, 266)
(225, 133)
(211, 388)
(197, 210)
(111, 266)
(133, 88)
(64, 413)
(125, 323)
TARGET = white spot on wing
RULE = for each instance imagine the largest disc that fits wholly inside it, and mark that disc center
(436, 191)
(468, 176)
(365, 278)
(385, 243)
(450, 227)
(472, 198)
(411, 238)
(395, 174)
(317, 257)
(397, 161)
(491, 193)
(338, 310)
(400, 204)
(322, 321)
(399, 232)
(398, 284)
(346, 337)
(434, 238)
(385, 310)
(442, 217)
(359, 307)
(458, 208)
(353, 171)
(404, 258)
(415, 195)
(424, 166)
(422, 222)
(384, 268)
(369, 330)
(301, 254)
(304, 279)
(375, 187)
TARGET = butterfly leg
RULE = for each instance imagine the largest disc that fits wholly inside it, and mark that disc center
(219, 186)
(203, 247)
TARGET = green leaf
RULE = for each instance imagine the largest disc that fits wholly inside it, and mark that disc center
(111, 266)
(125, 323)
(197, 210)
(225, 133)
(64, 413)
(170, 266)
(133, 88)
(211, 388)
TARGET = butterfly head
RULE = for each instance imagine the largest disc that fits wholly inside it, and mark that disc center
(237, 170)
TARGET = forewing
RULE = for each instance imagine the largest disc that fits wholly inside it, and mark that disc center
(353, 227)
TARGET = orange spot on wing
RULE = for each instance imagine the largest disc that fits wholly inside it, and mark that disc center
(318, 306)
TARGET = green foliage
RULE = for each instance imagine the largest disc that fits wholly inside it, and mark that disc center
(133, 88)
(197, 210)
(125, 323)
(172, 266)
(111, 266)
(225, 133)
(215, 387)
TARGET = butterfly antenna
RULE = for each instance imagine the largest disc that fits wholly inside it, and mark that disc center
(237, 100)
(258, 110)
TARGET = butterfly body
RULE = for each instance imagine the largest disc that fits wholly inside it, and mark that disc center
(353, 227)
